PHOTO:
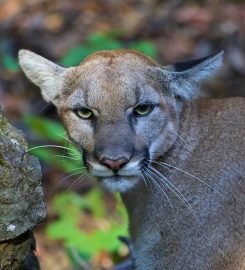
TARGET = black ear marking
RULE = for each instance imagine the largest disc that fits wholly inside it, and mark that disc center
(188, 64)
(184, 78)
(178, 97)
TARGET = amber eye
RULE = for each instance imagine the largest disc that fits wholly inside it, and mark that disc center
(84, 113)
(143, 110)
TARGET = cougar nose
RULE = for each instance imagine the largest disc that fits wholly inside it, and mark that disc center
(114, 164)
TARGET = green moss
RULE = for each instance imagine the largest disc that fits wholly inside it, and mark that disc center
(2, 161)
(3, 123)
(10, 131)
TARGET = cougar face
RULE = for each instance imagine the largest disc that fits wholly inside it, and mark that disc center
(119, 107)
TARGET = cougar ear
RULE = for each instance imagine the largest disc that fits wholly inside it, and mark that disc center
(183, 78)
(44, 73)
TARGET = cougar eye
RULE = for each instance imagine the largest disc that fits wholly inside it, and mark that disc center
(143, 110)
(84, 113)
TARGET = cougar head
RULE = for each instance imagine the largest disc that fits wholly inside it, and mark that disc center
(119, 107)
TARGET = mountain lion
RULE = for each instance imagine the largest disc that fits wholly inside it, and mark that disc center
(176, 159)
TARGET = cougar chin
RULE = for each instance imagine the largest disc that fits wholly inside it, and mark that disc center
(119, 183)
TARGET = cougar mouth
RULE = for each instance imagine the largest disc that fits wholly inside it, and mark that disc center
(120, 180)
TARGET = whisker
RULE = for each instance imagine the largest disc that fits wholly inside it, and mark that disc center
(76, 173)
(174, 189)
(43, 108)
(188, 205)
(48, 145)
(79, 179)
(68, 140)
(75, 169)
(181, 138)
(66, 145)
(189, 174)
(75, 153)
(145, 180)
(62, 156)
(159, 186)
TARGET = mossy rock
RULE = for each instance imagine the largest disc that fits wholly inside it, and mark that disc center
(22, 204)
(18, 253)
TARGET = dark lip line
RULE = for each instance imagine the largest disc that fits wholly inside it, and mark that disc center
(142, 163)
(113, 176)
(116, 175)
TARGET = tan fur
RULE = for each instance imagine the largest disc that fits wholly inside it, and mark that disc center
(187, 212)
(119, 53)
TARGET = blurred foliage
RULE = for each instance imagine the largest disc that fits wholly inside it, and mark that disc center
(9, 62)
(94, 42)
(103, 41)
(67, 159)
(88, 239)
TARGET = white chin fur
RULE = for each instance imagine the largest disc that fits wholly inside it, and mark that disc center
(119, 185)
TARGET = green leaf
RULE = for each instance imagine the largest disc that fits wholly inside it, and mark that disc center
(50, 157)
(69, 207)
(94, 42)
(103, 42)
(10, 63)
(75, 258)
(76, 55)
(93, 201)
(67, 200)
(46, 128)
(146, 47)
(96, 39)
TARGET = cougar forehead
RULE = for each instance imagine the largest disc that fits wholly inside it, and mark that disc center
(110, 80)
(121, 55)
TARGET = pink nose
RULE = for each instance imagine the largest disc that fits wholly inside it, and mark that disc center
(114, 164)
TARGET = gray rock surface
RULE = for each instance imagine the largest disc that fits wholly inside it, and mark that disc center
(22, 204)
